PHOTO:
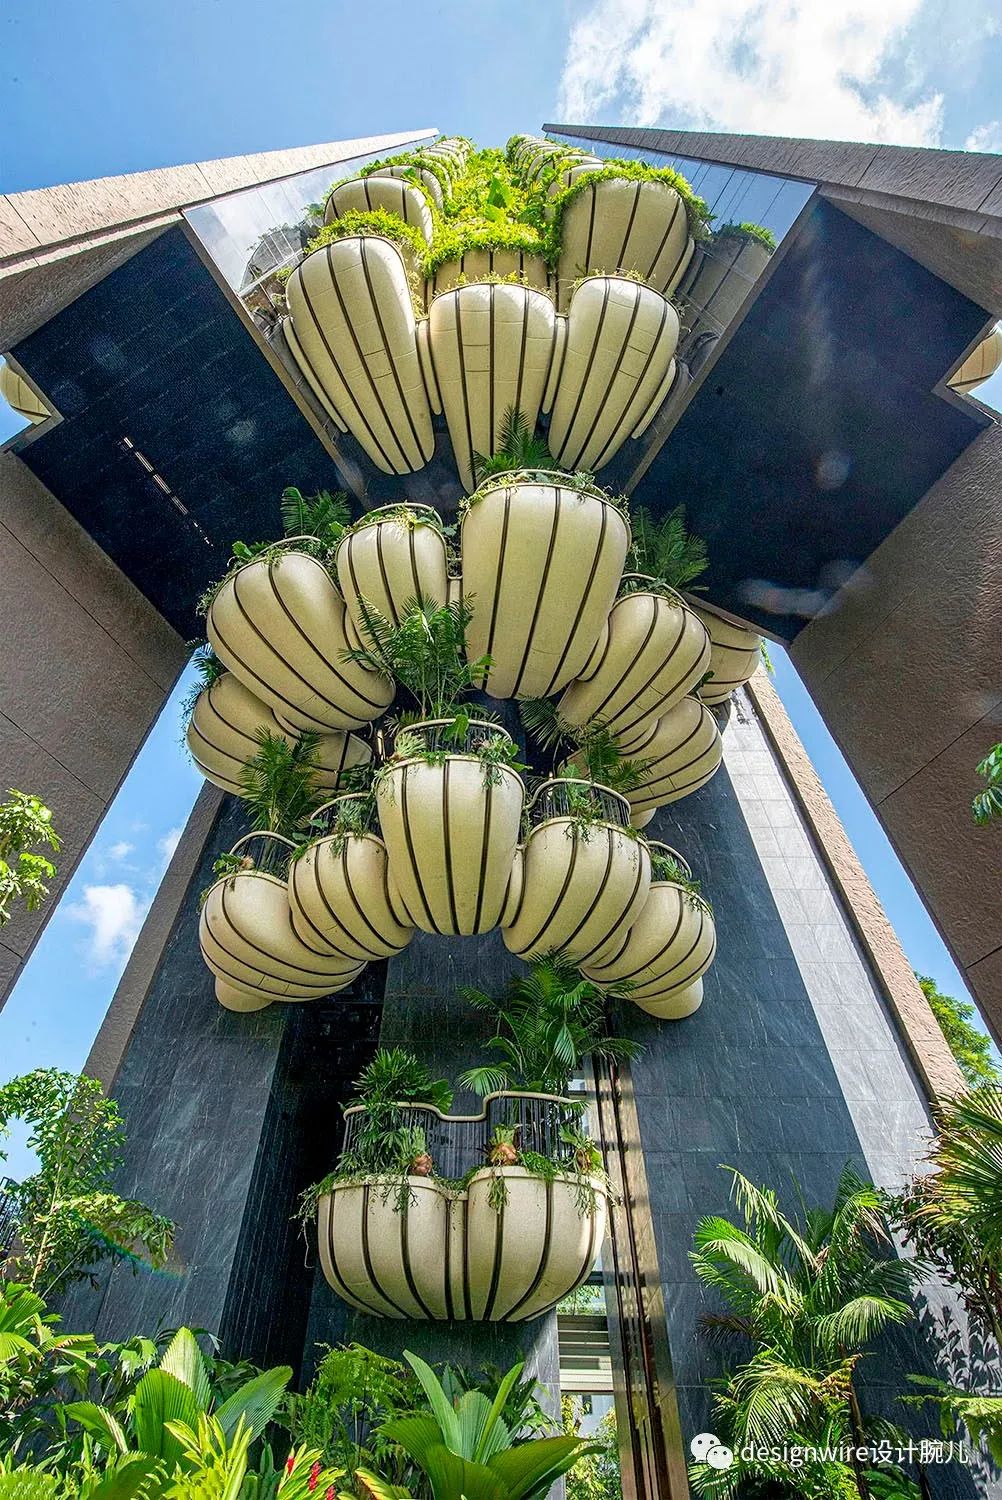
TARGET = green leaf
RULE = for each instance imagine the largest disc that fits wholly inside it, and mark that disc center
(448, 1421)
(256, 1401)
(27, 1484)
(100, 1423)
(495, 1435)
(183, 1359)
(125, 1479)
(160, 1398)
(455, 1478)
(381, 1488)
(536, 1465)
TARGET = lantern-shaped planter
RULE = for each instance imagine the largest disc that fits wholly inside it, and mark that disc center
(491, 346)
(353, 334)
(617, 368)
(582, 876)
(247, 938)
(478, 264)
(579, 165)
(339, 891)
(734, 655)
(279, 625)
(450, 821)
(675, 1005)
(427, 179)
(617, 225)
(668, 948)
(393, 555)
(979, 366)
(542, 560)
(394, 195)
(682, 749)
(653, 653)
(224, 729)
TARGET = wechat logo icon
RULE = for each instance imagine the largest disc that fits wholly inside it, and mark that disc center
(707, 1448)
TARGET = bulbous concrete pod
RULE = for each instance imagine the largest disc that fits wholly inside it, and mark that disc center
(244, 1002)
(676, 1005)
(17, 393)
(247, 938)
(394, 554)
(734, 655)
(669, 947)
(541, 565)
(617, 225)
(475, 265)
(566, 178)
(980, 365)
(683, 750)
(391, 194)
(451, 828)
(339, 892)
(445, 1255)
(653, 653)
(491, 347)
(583, 876)
(427, 179)
(352, 333)
(223, 735)
(617, 367)
(279, 625)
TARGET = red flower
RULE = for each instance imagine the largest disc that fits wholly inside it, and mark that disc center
(329, 1492)
(314, 1475)
(290, 1462)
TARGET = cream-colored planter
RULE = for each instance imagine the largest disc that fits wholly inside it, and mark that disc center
(279, 625)
(248, 941)
(223, 735)
(491, 347)
(668, 948)
(578, 888)
(427, 179)
(353, 334)
(653, 653)
(569, 176)
(676, 1005)
(617, 367)
(447, 1255)
(17, 393)
(683, 749)
(244, 1002)
(734, 655)
(724, 270)
(340, 898)
(391, 194)
(979, 366)
(621, 226)
(477, 265)
(391, 558)
(451, 831)
(541, 566)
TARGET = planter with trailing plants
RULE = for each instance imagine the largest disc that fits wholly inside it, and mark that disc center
(486, 262)
(734, 655)
(723, 271)
(413, 171)
(246, 934)
(542, 558)
(616, 367)
(679, 753)
(581, 877)
(353, 333)
(491, 346)
(448, 793)
(389, 558)
(515, 1225)
(659, 963)
(394, 195)
(225, 729)
(339, 884)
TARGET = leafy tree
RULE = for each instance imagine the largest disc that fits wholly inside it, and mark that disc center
(805, 1299)
(596, 1475)
(68, 1217)
(987, 805)
(548, 1021)
(971, 1048)
(25, 825)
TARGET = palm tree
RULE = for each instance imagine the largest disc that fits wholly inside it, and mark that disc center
(425, 652)
(808, 1298)
(517, 448)
(322, 516)
(593, 752)
(547, 1022)
(279, 784)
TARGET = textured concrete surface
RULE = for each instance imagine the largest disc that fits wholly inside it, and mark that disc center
(87, 665)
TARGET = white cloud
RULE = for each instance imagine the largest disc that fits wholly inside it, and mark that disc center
(783, 67)
(114, 914)
(169, 843)
(120, 851)
(985, 137)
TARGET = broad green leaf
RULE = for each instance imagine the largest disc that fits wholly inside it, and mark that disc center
(380, 1488)
(495, 1436)
(125, 1479)
(534, 1466)
(27, 1484)
(160, 1398)
(472, 1409)
(183, 1359)
(448, 1421)
(416, 1435)
(256, 1401)
(13, 1344)
(455, 1478)
(100, 1423)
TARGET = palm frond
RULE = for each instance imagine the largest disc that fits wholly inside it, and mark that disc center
(279, 786)
(323, 515)
(666, 550)
(517, 447)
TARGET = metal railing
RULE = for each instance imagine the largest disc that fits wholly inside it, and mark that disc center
(268, 853)
(570, 797)
(442, 735)
(322, 823)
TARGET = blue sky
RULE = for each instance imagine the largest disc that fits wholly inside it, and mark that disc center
(124, 85)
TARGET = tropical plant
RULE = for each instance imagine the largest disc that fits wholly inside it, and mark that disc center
(615, 170)
(666, 551)
(664, 866)
(25, 825)
(547, 1022)
(517, 448)
(425, 653)
(323, 517)
(521, 1411)
(971, 1047)
(805, 1299)
(467, 1452)
(208, 669)
(352, 1393)
(279, 787)
(987, 805)
(596, 1475)
(68, 1218)
(38, 1364)
(591, 750)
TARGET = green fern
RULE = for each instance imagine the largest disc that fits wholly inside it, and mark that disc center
(517, 448)
(665, 550)
(279, 785)
(323, 515)
(425, 652)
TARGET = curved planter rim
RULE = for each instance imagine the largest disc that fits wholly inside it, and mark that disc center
(674, 854)
(659, 591)
(512, 1174)
(432, 1109)
(537, 477)
(360, 234)
(557, 781)
(273, 547)
(515, 286)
